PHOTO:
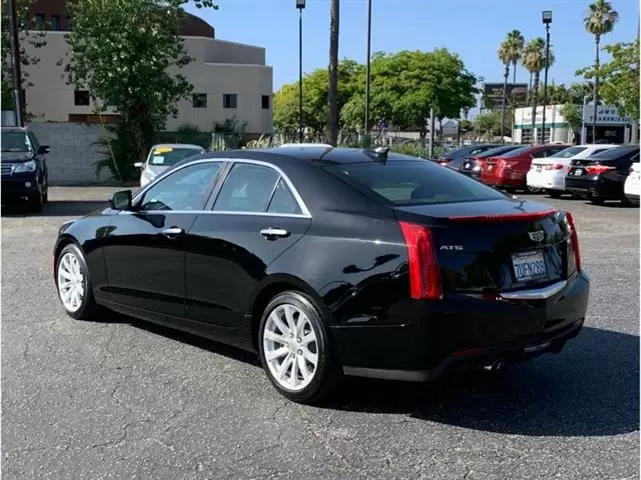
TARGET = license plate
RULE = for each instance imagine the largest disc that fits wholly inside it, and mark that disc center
(528, 266)
(578, 172)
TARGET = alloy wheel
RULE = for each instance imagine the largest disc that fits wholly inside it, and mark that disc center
(290, 346)
(71, 282)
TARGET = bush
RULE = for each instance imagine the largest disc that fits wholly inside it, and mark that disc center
(120, 153)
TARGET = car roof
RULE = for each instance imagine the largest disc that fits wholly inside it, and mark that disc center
(177, 145)
(321, 155)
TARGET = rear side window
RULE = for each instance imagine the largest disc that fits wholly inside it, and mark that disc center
(616, 153)
(517, 152)
(414, 183)
(568, 152)
(248, 188)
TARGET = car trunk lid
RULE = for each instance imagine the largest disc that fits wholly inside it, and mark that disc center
(494, 246)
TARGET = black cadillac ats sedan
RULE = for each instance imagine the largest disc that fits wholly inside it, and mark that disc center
(329, 261)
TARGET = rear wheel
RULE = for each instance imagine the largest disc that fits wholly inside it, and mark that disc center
(295, 349)
(596, 201)
(529, 189)
(74, 284)
(555, 193)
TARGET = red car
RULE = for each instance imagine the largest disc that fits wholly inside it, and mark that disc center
(508, 170)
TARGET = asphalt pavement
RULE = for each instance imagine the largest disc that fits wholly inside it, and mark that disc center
(121, 399)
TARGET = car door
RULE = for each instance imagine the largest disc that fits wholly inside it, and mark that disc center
(145, 249)
(256, 216)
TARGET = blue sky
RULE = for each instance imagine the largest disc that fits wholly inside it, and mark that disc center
(471, 28)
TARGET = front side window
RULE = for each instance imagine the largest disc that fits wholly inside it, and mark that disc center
(16, 141)
(247, 188)
(186, 189)
(167, 156)
(414, 183)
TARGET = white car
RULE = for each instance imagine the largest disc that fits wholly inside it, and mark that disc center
(549, 173)
(632, 187)
(163, 156)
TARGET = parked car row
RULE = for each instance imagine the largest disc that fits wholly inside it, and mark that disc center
(595, 172)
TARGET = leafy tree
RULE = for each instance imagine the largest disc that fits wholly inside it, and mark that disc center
(29, 34)
(599, 20)
(488, 124)
(534, 61)
(619, 78)
(572, 115)
(405, 85)
(125, 52)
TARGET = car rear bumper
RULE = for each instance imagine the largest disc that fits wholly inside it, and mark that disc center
(460, 332)
(632, 198)
(504, 181)
(594, 188)
(549, 180)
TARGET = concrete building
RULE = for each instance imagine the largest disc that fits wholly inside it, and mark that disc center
(229, 79)
(610, 126)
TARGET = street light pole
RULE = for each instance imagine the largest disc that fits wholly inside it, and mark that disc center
(547, 20)
(367, 69)
(300, 5)
(15, 64)
(584, 133)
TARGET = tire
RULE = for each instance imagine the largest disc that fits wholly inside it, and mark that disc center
(35, 203)
(72, 256)
(296, 357)
(596, 201)
(45, 195)
(555, 193)
(532, 190)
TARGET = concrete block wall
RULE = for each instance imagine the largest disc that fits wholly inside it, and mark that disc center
(73, 152)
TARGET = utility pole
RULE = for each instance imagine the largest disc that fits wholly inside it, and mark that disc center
(431, 147)
(15, 64)
(367, 69)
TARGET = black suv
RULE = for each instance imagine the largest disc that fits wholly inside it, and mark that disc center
(23, 167)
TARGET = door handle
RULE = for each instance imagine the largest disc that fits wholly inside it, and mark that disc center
(173, 231)
(271, 233)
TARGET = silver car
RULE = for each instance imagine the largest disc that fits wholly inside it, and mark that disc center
(163, 156)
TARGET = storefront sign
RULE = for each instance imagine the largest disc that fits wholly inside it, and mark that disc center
(605, 115)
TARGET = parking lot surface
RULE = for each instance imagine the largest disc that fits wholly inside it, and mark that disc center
(121, 399)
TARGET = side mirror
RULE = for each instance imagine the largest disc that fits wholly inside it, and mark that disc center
(121, 200)
(44, 149)
(139, 165)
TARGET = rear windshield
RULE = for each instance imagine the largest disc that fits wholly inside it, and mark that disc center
(614, 153)
(497, 151)
(517, 152)
(167, 156)
(568, 152)
(468, 150)
(414, 182)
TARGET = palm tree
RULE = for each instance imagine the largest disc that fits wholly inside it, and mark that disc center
(505, 57)
(332, 97)
(516, 42)
(534, 61)
(598, 21)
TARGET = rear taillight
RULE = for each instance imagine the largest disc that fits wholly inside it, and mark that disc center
(573, 244)
(425, 279)
(556, 166)
(598, 169)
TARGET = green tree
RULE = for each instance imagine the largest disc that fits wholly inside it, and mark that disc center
(534, 61)
(29, 34)
(126, 53)
(572, 115)
(332, 96)
(488, 124)
(515, 44)
(509, 53)
(599, 20)
(405, 85)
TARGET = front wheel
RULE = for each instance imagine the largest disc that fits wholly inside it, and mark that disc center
(533, 190)
(554, 193)
(74, 284)
(295, 349)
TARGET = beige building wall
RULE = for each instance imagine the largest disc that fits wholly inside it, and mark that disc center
(219, 68)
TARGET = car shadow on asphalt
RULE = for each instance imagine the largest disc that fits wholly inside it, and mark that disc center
(57, 208)
(589, 389)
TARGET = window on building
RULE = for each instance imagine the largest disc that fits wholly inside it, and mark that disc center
(39, 20)
(54, 22)
(69, 23)
(199, 100)
(81, 97)
(230, 100)
(264, 102)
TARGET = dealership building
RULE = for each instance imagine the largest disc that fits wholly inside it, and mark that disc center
(610, 126)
